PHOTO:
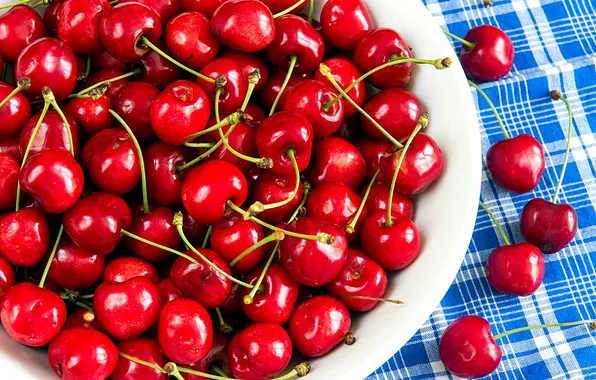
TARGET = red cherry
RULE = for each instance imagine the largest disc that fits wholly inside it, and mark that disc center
(165, 9)
(133, 104)
(123, 27)
(298, 255)
(379, 47)
(209, 186)
(164, 183)
(277, 6)
(156, 226)
(10, 147)
(179, 111)
(271, 188)
(78, 24)
(272, 86)
(124, 268)
(24, 236)
(345, 73)
(20, 26)
(547, 225)
(336, 160)
(167, 291)
(92, 115)
(206, 7)
(392, 247)
(193, 230)
(157, 70)
(515, 269)
(378, 198)
(127, 309)
(9, 179)
(146, 349)
(467, 348)
(82, 318)
(245, 25)
(260, 351)
(372, 151)
(249, 63)
(15, 113)
(190, 40)
(78, 354)
(235, 88)
(7, 277)
(54, 178)
(318, 325)
(232, 305)
(516, 164)
(51, 134)
(185, 318)
(218, 355)
(103, 59)
(232, 236)
(345, 22)
(73, 267)
(51, 17)
(107, 74)
(31, 315)
(491, 58)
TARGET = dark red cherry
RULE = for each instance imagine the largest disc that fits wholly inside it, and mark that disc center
(193, 229)
(92, 115)
(133, 104)
(157, 70)
(78, 24)
(379, 196)
(397, 110)
(7, 277)
(273, 85)
(491, 58)
(165, 9)
(82, 318)
(51, 134)
(245, 25)
(372, 151)
(51, 17)
(261, 351)
(232, 236)
(10, 147)
(187, 318)
(467, 348)
(209, 186)
(547, 225)
(107, 74)
(145, 349)
(20, 26)
(351, 130)
(24, 236)
(345, 73)
(73, 267)
(79, 353)
(249, 63)
(336, 160)
(345, 22)
(9, 179)
(515, 269)
(164, 183)
(15, 113)
(206, 7)
(124, 268)
(271, 188)
(318, 325)
(167, 291)
(122, 29)
(234, 91)
(31, 315)
(277, 6)
(379, 47)
(104, 60)
(156, 226)
(127, 309)
(190, 40)
(516, 164)
(218, 356)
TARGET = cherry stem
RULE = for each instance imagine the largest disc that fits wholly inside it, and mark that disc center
(422, 123)
(350, 227)
(24, 2)
(276, 235)
(349, 338)
(300, 370)
(86, 296)
(545, 326)
(207, 235)
(261, 162)
(326, 71)
(191, 163)
(311, 10)
(139, 361)
(40, 2)
(218, 91)
(388, 300)
(288, 10)
(146, 41)
(488, 3)
(23, 84)
(492, 107)
(293, 59)
(106, 82)
(51, 258)
(440, 64)
(86, 307)
(499, 227)
(231, 119)
(556, 95)
(466, 43)
(253, 79)
(66, 124)
(113, 2)
(223, 326)
(146, 208)
(219, 372)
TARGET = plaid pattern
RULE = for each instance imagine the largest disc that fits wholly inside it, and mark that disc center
(555, 42)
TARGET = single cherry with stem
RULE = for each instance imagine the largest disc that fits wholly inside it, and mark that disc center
(229, 76)
(270, 189)
(53, 133)
(21, 26)
(272, 88)
(91, 113)
(345, 73)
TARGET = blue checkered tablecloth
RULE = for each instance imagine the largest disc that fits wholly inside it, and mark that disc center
(555, 46)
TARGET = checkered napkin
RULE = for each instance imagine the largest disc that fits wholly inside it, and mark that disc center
(555, 47)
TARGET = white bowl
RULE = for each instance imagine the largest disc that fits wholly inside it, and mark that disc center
(445, 214)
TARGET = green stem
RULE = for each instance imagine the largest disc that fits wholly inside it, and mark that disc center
(40, 2)
(24, 2)
(545, 326)
(223, 326)
(253, 80)
(14, 92)
(68, 130)
(218, 91)
(311, 10)
(193, 162)
(107, 81)
(466, 43)
(499, 227)
(142, 362)
(51, 258)
(219, 372)
(306, 189)
(277, 235)
(350, 227)
(378, 299)
(492, 107)
(84, 306)
(556, 95)
(258, 207)
(248, 299)
(232, 119)
(156, 245)
(300, 370)
(288, 10)
(293, 60)
(207, 234)
(261, 162)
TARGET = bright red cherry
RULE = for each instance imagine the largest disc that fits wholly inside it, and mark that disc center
(157, 70)
(78, 24)
(20, 26)
(491, 56)
(233, 235)
(51, 134)
(9, 179)
(167, 291)
(92, 115)
(73, 267)
(277, 6)
(10, 147)
(24, 236)
(51, 17)
(271, 188)
(345, 73)
(156, 226)
(124, 268)
(15, 113)
(235, 88)
(249, 63)
(146, 349)
(7, 277)
(82, 318)
(547, 225)
(372, 151)
(104, 60)
(336, 160)
(345, 22)
(190, 40)
(107, 74)
(378, 200)
(515, 269)
(133, 104)
(273, 85)
(165, 9)
(164, 183)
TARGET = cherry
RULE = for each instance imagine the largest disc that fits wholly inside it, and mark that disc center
(270, 188)
(31, 315)
(74, 268)
(218, 355)
(345, 73)
(190, 39)
(7, 277)
(187, 318)
(124, 268)
(10, 147)
(378, 200)
(20, 26)
(318, 325)
(167, 291)
(9, 180)
(179, 111)
(272, 86)
(82, 318)
(146, 349)
(78, 24)
(372, 151)
(194, 230)
(51, 16)
(547, 225)
(232, 305)
(157, 70)
(233, 235)
(164, 183)
(24, 236)
(103, 59)
(209, 186)
(165, 9)
(78, 353)
(15, 113)
(51, 134)
(379, 47)
(244, 25)
(133, 104)
(515, 269)
(92, 115)
(206, 7)
(108, 74)
(336, 160)
(249, 63)
(278, 6)
(127, 309)
(345, 22)
(234, 88)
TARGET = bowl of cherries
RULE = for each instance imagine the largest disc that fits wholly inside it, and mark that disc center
(208, 189)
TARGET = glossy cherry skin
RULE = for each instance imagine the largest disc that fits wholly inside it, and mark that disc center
(235, 88)
(165, 9)
(318, 325)
(491, 58)
(280, 132)
(244, 25)
(9, 179)
(79, 354)
(271, 188)
(547, 225)
(345, 73)
(336, 160)
(190, 40)
(127, 309)
(10, 147)
(156, 70)
(233, 235)
(123, 26)
(372, 151)
(179, 111)
(377, 48)
(294, 36)
(218, 355)
(421, 167)
(31, 315)
(51, 17)
(164, 183)
(345, 22)
(52, 134)
(124, 268)
(7, 277)
(209, 186)
(393, 247)
(95, 221)
(146, 349)
(185, 318)
(92, 115)
(107, 74)
(199, 281)
(111, 161)
(467, 348)
(156, 226)
(515, 269)
(273, 85)
(193, 229)
(516, 164)
(249, 63)
(378, 200)
(133, 103)
(167, 291)
(78, 24)
(15, 113)
(104, 60)
(54, 178)
(20, 26)
(48, 62)
(299, 254)
(82, 318)
(73, 267)
(24, 236)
